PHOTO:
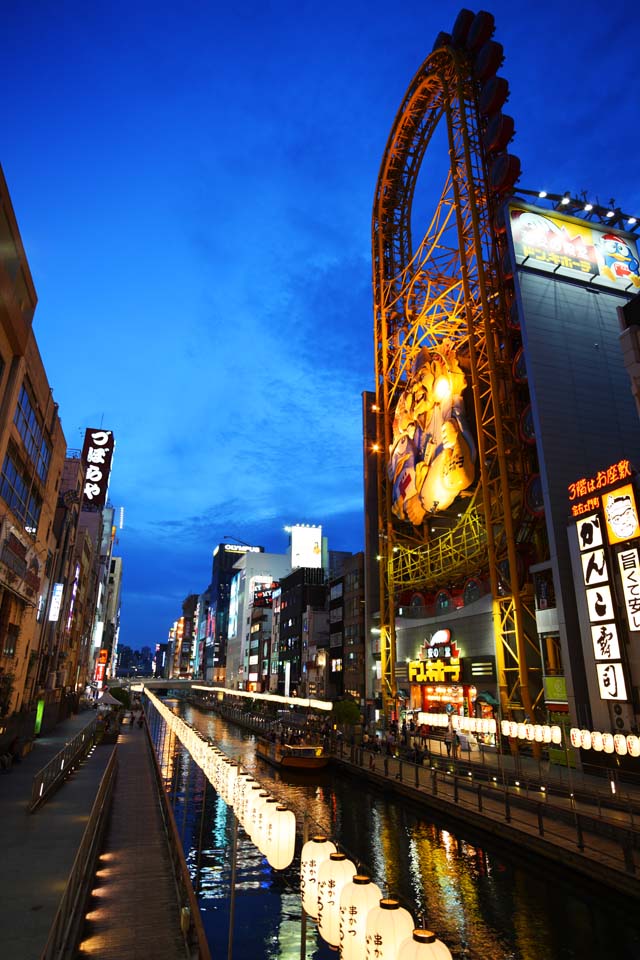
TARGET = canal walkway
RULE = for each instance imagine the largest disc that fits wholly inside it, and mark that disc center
(136, 909)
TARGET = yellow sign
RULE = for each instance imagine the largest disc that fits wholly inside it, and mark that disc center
(434, 671)
(620, 514)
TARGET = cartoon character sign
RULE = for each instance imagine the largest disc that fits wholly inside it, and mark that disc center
(621, 516)
(432, 457)
(616, 259)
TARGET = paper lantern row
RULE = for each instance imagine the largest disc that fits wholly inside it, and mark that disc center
(606, 742)
(270, 824)
(351, 911)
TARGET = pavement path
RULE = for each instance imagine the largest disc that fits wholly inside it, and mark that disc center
(37, 850)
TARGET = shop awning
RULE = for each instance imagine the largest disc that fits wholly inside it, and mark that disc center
(488, 698)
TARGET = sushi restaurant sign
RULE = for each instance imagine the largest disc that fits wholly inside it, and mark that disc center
(438, 661)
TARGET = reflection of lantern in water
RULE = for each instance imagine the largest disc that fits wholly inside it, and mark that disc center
(333, 875)
(356, 900)
(388, 925)
(423, 945)
(314, 853)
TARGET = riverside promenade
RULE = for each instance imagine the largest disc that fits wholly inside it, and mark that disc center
(39, 850)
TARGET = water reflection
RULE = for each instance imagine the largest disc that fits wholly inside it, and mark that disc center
(483, 905)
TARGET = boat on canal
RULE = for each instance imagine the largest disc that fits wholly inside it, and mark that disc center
(292, 756)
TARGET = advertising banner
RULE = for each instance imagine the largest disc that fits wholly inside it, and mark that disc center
(566, 246)
(97, 454)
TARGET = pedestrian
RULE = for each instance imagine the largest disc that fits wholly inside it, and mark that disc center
(448, 739)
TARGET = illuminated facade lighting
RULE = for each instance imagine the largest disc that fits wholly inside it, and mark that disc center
(542, 194)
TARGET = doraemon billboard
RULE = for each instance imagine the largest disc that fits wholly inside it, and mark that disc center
(574, 248)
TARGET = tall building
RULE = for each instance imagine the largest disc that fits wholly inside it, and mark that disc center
(32, 450)
(225, 556)
(506, 433)
(303, 632)
(346, 654)
(254, 572)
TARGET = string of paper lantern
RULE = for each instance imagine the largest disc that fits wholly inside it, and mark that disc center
(347, 905)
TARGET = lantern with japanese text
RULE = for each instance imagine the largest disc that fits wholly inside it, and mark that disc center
(265, 814)
(423, 945)
(281, 838)
(633, 745)
(388, 925)
(333, 875)
(607, 742)
(356, 900)
(620, 744)
(314, 853)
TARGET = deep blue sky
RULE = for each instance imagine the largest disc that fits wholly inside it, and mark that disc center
(193, 183)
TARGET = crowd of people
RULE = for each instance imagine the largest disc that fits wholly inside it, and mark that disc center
(408, 740)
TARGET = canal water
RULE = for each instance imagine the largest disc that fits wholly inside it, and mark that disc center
(485, 904)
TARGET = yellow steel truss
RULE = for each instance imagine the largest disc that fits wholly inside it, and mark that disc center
(451, 289)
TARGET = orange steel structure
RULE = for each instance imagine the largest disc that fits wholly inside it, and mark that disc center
(451, 286)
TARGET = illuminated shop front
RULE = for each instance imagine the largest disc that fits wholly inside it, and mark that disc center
(450, 673)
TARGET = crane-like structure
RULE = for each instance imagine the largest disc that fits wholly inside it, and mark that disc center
(450, 297)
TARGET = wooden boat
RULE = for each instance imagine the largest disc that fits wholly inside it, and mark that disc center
(290, 756)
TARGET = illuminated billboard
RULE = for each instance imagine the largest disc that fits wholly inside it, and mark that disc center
(433, 452)
(574, 248)
(97, 454)
(306, 546)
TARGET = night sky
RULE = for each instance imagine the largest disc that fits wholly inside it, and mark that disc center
(194, 182)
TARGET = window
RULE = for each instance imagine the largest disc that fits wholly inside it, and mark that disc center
(11, 640)
(36, 446)
(14, 490)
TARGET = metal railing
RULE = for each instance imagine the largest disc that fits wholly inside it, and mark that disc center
(610, 838)
(64, 933)
(53, 773)
(190, 919)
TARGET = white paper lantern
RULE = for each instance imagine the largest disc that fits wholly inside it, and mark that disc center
(607, 742)
(333, 875)
(538, 733)
(576, 739)
(620, 744)
(633, 745)
(546, 734)
(388, 925)
(281, 838)
(423, 945)
(596, 740)
(585, 739)
(505, 728)
(556, 734)
(314, 853)
(513, 728)
(529, 731)
(255, 796)
(265, 814)
(356, 900)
